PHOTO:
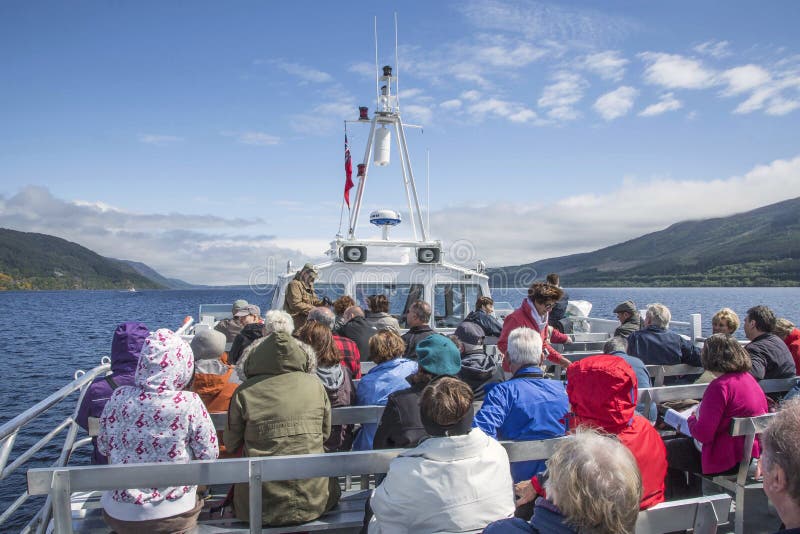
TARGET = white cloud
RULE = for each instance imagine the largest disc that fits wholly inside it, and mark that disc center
(214, 251)
(363, 68)
(159, 140)
(617, 103)
(674, 71)
(303, 72)
(609, 65)
(668, 102)
(451, 104)
(743, 79)
(418, 113)
(649, 205)
(715, 49)
(471, 95)
(253, 138)
(560, 96)
(517, 56)
(778, 96)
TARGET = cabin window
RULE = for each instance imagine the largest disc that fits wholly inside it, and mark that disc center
(332, 291)
(452, 302)
(401, 296)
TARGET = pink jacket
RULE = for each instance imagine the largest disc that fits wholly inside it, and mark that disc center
(522, 317)
(731, 395)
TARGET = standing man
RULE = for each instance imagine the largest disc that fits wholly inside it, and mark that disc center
(768, 353)
(300, 295)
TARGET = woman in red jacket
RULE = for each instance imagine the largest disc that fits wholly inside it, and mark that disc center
(533, 313)
(602, 393)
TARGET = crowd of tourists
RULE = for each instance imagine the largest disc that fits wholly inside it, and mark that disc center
(449, 402)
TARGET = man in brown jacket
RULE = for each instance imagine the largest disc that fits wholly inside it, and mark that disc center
(300, 295)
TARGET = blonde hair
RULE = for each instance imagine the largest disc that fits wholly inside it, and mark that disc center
(726, 316)
(595, 482)
(783, 327)
(385, 346)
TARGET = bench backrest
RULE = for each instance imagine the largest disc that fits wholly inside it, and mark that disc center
(659, 372)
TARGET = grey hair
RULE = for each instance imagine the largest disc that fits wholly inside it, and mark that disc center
(616, 344)
(658, 315)
(322, 315)
(781, 446)
(595, 482)
(278, 321)
(353, 311)
(525, 347)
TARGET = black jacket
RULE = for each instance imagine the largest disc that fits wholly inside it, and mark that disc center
(478, 370)
(401, 423)
(243, 339)
(490, 325)
(414, 336)
(770, 358)
(359, 330)
(558, 312)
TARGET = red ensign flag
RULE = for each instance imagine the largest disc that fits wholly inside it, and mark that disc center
(348, 170)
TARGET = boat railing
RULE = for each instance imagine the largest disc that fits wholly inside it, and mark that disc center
(11, 429)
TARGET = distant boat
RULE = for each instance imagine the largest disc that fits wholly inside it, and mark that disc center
(132, 289)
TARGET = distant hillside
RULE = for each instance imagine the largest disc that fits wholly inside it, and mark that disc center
(150, 273)
(39, 261)
(756, 248)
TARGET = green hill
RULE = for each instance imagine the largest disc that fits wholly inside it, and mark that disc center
(39, 261)
(756, 248)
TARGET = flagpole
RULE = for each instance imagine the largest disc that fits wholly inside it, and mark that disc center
(341, 210)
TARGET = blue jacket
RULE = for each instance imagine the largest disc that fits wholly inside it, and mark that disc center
(525, 408)
(657, 346)
(374, 389)
(547, 519)
(643, 379)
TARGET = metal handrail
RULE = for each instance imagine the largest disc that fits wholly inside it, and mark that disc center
(10, 430)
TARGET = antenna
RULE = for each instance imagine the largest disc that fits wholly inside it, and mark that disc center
(396, 64)
(377, 81)
(428, 184)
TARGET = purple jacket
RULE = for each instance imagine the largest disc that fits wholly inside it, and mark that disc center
(728, 396)
(125, 349)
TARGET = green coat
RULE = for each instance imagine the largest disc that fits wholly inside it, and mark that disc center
(280, 410)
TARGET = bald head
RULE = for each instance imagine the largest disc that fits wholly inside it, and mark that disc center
(322, 315)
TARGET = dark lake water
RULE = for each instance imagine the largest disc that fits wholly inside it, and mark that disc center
(45, 336)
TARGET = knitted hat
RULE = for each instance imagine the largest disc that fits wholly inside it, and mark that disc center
(208, 344)
(627, 306)
(438, 355)
(471, 335)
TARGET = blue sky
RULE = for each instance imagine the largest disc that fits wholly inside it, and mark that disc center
(205, 138)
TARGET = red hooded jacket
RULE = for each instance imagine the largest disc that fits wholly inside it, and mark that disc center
(522, 317)
(602, 392)
(793, 342)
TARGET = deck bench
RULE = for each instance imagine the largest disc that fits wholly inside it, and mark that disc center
(659, 372)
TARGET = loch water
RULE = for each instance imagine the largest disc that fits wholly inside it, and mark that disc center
(45, 336)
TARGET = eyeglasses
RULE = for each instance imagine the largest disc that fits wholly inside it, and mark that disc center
(549, 305)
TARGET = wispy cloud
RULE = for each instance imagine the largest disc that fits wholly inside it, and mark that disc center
(302, 72)
(616, 103)
(744, 78)
(668, 102)
(715, 49)
(159, 140)
(495, 107)
(253, 138)
(674, 71)
(450, 104)
(609, 65)
(559, 97)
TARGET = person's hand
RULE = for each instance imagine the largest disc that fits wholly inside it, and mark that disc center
(524, 493)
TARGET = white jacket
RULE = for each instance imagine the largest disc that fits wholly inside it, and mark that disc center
(450, 484)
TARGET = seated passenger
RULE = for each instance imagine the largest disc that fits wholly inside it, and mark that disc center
(351, 356)
(594, 486)
(655, 345)
(156, 421)
(616, 346)
(417, 320)
(231, 326)
(252, 329)
(734, 393)
(479, 370)
(602, 392)
(400, 424)
(628, 317)
(455, 481)
(335, 377)
(274, 321)
(214, 380)
(526, 407)
(482, 316)
(281, 409)
(378, 314)
(358, 329)
(780, 464)
(790, 335)
(340, 306)
(769, 355)
(725, 321)
(125, 348)
(559, 311)
(388, 376)
(533, 314)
